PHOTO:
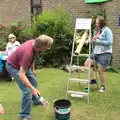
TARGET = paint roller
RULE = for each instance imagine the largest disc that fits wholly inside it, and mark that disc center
(82, 41)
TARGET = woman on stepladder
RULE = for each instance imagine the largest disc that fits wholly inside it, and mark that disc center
(102, 51)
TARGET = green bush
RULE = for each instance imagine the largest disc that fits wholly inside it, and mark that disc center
(3, 36)
(21, 32)
(112, 69)
(3, 43)
(25, 35)
(58, 25)
(15, 28)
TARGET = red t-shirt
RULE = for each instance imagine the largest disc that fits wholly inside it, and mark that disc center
(23, 56)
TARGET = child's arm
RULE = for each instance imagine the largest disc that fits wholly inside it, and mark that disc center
(7, 46)
(17, 44)
(1, 109)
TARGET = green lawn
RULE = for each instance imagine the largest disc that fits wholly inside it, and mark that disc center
(52, 85)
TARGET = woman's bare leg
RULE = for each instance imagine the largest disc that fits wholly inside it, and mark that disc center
(92, 63)
(101, 74)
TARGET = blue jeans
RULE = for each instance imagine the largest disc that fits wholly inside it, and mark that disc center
(27, 97)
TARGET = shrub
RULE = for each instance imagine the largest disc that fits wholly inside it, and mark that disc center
(26, 34)
(15, 28)
(56, 24)
(3, 36)
(22, 33)
(3, 43)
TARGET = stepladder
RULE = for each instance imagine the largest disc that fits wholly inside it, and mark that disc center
(82, 36)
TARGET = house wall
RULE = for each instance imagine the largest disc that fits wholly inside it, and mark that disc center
(77, 7)
(112, 14)
(15, 10)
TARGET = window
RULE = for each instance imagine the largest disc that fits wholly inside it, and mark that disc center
(36, 7)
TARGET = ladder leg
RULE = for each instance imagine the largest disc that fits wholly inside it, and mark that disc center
(68, 84)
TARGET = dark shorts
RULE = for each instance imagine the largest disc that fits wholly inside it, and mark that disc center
(102, 59)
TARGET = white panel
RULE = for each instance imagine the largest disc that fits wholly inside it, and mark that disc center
(82, 23)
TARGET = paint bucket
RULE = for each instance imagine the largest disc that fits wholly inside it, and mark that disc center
(62, 109)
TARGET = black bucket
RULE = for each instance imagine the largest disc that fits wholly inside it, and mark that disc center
(62, 109)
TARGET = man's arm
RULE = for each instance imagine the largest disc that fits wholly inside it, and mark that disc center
(26, 81)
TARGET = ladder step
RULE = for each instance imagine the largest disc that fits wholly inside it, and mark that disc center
(78, 93)
(77, 96)
(80, 67)
(83, 55)
(84, 81)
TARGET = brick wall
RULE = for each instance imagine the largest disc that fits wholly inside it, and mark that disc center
(15, 10)
(77, 7)
(112, 12)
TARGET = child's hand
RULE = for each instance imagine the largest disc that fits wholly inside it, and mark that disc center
(1, 109)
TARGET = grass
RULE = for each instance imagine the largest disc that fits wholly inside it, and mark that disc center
(52, 85)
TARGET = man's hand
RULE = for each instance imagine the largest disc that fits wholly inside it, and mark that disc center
(35, 91)
(24, 78)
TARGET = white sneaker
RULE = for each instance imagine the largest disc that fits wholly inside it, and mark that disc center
(102, 88)
(27, 118)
